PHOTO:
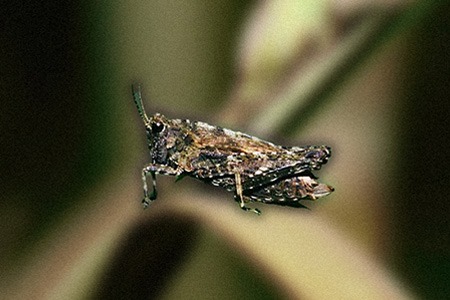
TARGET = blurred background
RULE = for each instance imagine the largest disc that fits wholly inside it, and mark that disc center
(368, 78)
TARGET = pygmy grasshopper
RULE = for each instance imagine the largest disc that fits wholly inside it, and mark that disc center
(253, 169)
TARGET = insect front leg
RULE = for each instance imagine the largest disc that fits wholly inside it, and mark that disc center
(239, 196)
(153, 169)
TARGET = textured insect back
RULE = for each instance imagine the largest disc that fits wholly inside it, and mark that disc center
(253, 169)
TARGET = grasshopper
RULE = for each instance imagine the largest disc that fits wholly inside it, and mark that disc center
(253, 169)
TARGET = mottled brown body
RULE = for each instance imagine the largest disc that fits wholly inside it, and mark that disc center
(254, 169)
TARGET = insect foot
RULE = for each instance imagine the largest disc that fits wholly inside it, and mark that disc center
(253, 169)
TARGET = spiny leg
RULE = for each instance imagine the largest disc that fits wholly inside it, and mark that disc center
(148, 198)
(238, 181)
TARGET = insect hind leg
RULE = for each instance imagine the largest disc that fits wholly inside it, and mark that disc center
(239, 198)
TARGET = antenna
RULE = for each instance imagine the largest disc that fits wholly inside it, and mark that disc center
(137, 96)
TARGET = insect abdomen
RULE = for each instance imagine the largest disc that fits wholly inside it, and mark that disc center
(291, 190)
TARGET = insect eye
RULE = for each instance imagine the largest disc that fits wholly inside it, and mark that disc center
(157, 127)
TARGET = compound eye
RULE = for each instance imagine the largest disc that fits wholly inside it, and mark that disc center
(157, 127)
